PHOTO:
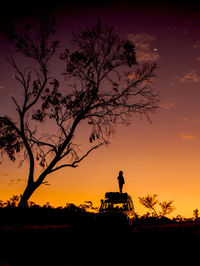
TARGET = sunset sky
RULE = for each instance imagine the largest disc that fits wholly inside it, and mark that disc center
(162, 157)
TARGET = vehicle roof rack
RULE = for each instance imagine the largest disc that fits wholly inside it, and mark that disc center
(116, 196)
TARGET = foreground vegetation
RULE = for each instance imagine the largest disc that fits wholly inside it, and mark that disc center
(78, 240)
(72, 214)
(72, 236)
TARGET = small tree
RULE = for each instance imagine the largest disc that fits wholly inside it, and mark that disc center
(150, 201)
(71, 207)
(1, 203)
(166, 207)
(196, 214)
(88, 206)
(99, 92)
(13, 202)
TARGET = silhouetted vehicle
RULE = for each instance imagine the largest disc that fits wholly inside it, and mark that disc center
(117, 208)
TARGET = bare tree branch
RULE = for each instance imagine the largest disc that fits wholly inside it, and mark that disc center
(75, 163)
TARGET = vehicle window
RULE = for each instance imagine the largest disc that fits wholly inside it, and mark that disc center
(108, 206)
(120, 206)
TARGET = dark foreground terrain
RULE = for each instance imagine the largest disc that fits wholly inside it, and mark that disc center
(85, 242)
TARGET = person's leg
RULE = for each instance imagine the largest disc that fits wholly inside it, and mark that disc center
(120, 188)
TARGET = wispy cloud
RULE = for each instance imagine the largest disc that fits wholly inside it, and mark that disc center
(144, 51)
(167, 106)
(15, 181)
(196, 45)
(172, 83)
(1, 87)
(190, 76)
(196, 121)
(188, 137)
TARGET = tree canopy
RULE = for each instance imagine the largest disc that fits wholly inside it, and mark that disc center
(104, 87)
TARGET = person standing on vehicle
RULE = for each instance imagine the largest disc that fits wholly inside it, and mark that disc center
(120, 181)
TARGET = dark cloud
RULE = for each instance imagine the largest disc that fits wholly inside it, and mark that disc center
(15, 181)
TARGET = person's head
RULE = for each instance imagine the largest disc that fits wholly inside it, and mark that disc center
(120, 173)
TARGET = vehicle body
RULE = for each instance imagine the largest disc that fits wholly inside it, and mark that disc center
(117, 207)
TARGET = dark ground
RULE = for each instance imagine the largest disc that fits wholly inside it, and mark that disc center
(89, 244)
(59, 237)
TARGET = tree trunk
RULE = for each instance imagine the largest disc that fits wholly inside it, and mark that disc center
(26, 195)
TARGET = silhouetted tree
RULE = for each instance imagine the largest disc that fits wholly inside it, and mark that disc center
(150, 201)
(47, 205)
(71, 207)
(88, 206)
(100, 90)
(179, 218)
(1, 203)
(196, 214)
(32, 204)
(13, 202)
(166, 207)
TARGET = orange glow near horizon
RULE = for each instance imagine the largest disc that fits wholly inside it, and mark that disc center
(168, 168)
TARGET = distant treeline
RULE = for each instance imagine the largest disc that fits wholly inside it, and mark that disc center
(40, 216)
(72, 214)
(10, 214)
(14, 200)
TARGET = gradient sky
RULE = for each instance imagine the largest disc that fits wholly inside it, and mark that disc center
(160, 158)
